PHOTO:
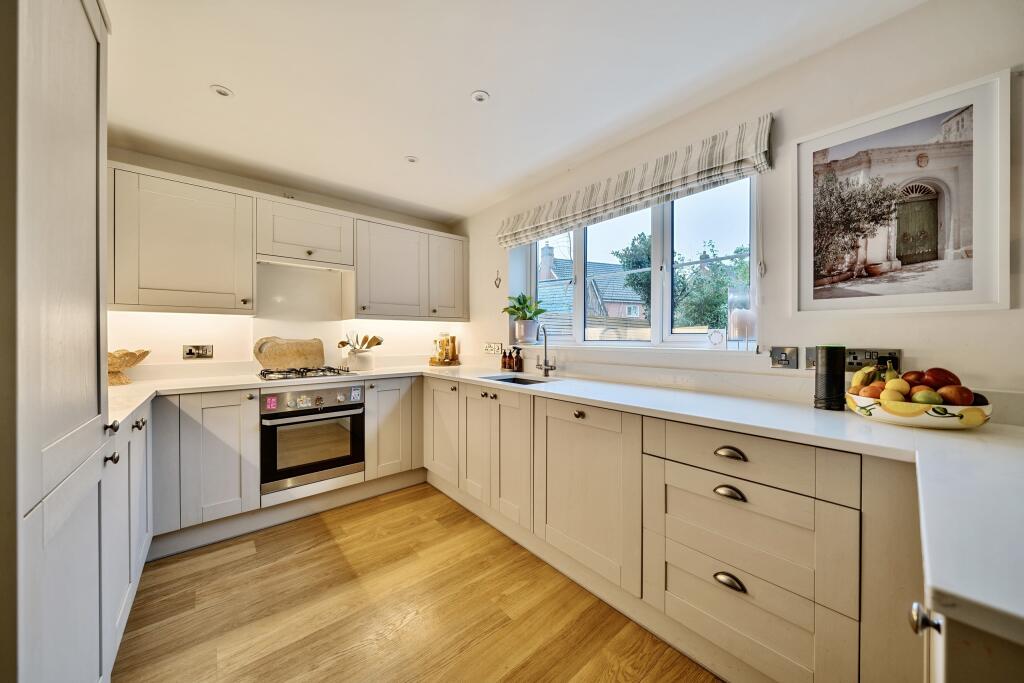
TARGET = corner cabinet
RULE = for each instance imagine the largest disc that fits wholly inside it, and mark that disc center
(588, 487)
(180, 246)
(219, 456)
(409, 273)
(441, 428)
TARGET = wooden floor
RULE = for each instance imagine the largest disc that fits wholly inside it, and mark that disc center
(405, 586)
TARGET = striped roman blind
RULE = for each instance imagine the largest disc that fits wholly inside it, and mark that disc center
(720, 158)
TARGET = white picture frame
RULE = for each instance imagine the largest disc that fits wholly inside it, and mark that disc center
(990, 284)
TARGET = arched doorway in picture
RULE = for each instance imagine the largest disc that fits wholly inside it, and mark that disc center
(918, 223)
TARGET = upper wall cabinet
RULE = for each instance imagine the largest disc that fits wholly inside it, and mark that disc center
(408, 273)
(181, 246)
(289, 232)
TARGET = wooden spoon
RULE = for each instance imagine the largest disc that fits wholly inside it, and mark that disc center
(374, 341)
(362, 344)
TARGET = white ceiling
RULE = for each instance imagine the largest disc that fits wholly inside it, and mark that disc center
(331, 95)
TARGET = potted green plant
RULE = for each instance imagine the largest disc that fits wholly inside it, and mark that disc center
(524, 310)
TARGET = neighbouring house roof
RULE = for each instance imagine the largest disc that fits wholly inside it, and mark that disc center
(556, 295)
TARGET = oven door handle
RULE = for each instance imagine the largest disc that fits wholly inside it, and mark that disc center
(310, 418)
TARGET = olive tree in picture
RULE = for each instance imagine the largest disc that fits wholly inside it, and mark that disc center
(846, 212)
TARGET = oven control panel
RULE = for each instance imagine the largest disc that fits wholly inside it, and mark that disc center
(315, 397)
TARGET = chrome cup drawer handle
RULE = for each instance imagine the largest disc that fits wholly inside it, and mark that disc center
(731, 492)
(731, 453)
(730, 581)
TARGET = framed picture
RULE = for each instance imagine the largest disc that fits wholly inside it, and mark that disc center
(909, 210)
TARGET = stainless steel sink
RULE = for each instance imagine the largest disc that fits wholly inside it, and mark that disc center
(514, 379)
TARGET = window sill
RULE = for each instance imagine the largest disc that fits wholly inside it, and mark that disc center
(670, 347)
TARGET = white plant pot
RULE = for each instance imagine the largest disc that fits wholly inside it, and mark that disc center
(359, 359)
(526, 331)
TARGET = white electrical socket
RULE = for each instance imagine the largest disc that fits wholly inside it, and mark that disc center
(493, 348)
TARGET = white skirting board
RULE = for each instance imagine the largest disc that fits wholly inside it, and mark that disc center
(229, 527)
(694, 646)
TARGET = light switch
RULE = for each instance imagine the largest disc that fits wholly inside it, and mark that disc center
(786, 357)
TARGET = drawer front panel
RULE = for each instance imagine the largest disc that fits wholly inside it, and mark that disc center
(762, 611)
(600, 418)
(782, 464)
(806, 546)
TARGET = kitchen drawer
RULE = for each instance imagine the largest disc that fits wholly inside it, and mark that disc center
(768, 461)
(599, 418)
(781, 634)
(806, 546)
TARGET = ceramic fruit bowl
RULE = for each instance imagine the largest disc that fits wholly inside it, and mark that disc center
(919, 414)
(120, 360)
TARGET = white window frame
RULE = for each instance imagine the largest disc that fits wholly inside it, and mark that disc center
(661, 282)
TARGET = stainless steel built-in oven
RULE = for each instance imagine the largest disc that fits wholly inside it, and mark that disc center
(309, 434)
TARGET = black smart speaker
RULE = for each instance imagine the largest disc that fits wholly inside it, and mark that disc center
(830, 378)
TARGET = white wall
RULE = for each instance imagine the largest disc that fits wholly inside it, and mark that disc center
(935, 46)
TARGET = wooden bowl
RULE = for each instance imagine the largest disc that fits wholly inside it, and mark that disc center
(120, 360)
(919, 414)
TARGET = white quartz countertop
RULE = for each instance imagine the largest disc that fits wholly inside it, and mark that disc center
(972, 514)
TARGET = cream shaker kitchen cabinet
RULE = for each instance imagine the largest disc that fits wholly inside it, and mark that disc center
(180, 245)
(441, 428)
(140, 470)
(309, 235)
(476, 442)
(116, 546)
(220, 455)
(391, 271)
(587, 487)
(494, 450)
(389, 425)
(447, 277)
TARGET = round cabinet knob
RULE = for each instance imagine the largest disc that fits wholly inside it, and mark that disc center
(373, 386)
(309, 252)
(139, 424)
(362, 308)
(921, 620)
(113, 458)
(250, 396)
(112, 427)
(453, 388)
(245, 301)
(494, 396)
(433, 310)
(483, 394)
(579, 414)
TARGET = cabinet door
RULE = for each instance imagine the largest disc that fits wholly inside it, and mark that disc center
(60, 621)
(391, 270)
(447, 277)
(307, 234)
(61, 315)
(220, 456)
(165, 459)
(116, 548)
(477, 418)
(181, 245)
(511, 430)
(140, 471)
(441, 428)
(587, 487)
(388, 427)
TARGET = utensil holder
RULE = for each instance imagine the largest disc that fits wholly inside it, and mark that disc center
(359, 359)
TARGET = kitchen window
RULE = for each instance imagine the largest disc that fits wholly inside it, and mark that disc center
(671, 274)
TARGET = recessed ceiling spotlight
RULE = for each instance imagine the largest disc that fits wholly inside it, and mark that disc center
(222, 90)
(412, 159)
(480, 96)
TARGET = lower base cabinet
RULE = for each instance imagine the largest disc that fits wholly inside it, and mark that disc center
(494, 450)
(587, 487)
(389, 427)
(441, 428)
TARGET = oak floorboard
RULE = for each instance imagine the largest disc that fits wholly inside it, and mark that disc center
(402, 587)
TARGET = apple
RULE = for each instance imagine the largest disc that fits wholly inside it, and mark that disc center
(914, 377)
(891, 395)
(937, 378)
(880, 383)
(900, 385)
(918, 388)
(871, 391)
(928, 395)
(956, 395)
